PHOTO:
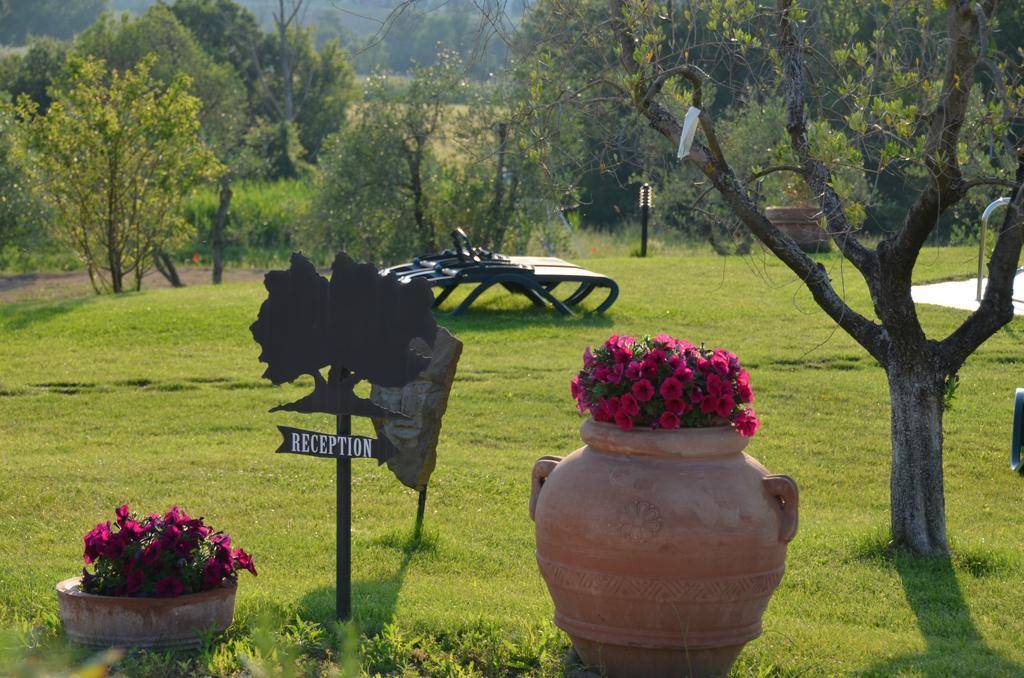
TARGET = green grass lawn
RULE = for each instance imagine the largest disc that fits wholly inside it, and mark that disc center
(156, 399)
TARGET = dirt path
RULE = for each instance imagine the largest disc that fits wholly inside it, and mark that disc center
(54, 286)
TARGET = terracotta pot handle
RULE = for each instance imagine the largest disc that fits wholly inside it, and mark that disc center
(541, 470)
(784, 489)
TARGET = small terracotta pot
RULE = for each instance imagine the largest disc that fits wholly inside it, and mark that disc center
(151, 623)
(661, 548)
(803, 225)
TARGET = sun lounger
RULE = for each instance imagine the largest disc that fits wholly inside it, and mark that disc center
(534, 277)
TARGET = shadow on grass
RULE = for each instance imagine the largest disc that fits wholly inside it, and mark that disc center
(373, 600)
(954, 647)
(20, 316)
(488, 319)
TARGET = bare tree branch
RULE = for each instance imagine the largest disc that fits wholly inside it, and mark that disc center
(996, 307)
(816, 175)
(869, 334)
(946, 186)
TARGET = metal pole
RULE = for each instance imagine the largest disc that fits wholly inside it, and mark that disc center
(984, 229)
(343, 601)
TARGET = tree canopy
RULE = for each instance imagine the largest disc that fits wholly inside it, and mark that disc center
(915, 93)
(113, 156)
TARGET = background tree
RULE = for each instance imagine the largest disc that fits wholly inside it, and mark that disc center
(322, 86)
(19, 210)
(897, 94)
(35, 70)
(402, 122)
(113, 157)
(57, 18)
(123, 42)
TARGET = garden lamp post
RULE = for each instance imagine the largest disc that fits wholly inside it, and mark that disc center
(646, 196)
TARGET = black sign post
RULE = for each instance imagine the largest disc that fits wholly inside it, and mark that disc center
(362, 326)
(343, 590)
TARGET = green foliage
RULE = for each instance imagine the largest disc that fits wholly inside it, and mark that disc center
(410, 167)
(868, 101)
(261, 222)
(22, 217)
(35, 70)
(112, 158)
(225, 30)
(323, 85)
(271, 151)
(329, 92)
(57, 18)
(123, 42)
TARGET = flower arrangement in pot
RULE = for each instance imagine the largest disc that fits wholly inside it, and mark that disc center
(660, 540)
(664, 383)
(158, 581)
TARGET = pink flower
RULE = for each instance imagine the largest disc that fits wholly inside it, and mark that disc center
(169, 587)
(668, 420)
(633, 371)
(676, 407)
(96, 541)
(629, 405)
(588, 357)
(671, 389)
(624, 421)
(643, 390)
(122, 514)
(151, 553)
(747, 423)
(609, 375)
(113, 548)
(132, 580)
(243, 561)
(718, 399)
(725, 407)
(176, 516)
(576, 388)
(683, 374)
(214, 573)
(743, 387)
(132, 531)
(720, 362)
(170, 537)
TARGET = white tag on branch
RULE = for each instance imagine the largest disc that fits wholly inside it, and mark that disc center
(689, 131)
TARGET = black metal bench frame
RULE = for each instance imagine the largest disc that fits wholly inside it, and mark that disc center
(534, 277)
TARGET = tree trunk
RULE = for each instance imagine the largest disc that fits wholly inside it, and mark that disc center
(165, 265)
(419, 200)
(218, 229)
(917, 502)
(497, 218)
(286, 72)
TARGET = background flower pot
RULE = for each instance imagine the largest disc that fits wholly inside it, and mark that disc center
(661, 548)
(152, 623)
(803, 225)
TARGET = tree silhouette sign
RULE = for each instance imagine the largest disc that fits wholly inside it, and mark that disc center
(359, 326)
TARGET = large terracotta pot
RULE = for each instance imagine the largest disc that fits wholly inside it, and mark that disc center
(803, 225)
(661, 548)
(152, 623)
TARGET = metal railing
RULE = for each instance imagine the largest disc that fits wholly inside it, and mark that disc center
(984, 230)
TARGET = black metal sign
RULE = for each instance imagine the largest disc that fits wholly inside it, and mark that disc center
(316, 444)
(360, 325)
